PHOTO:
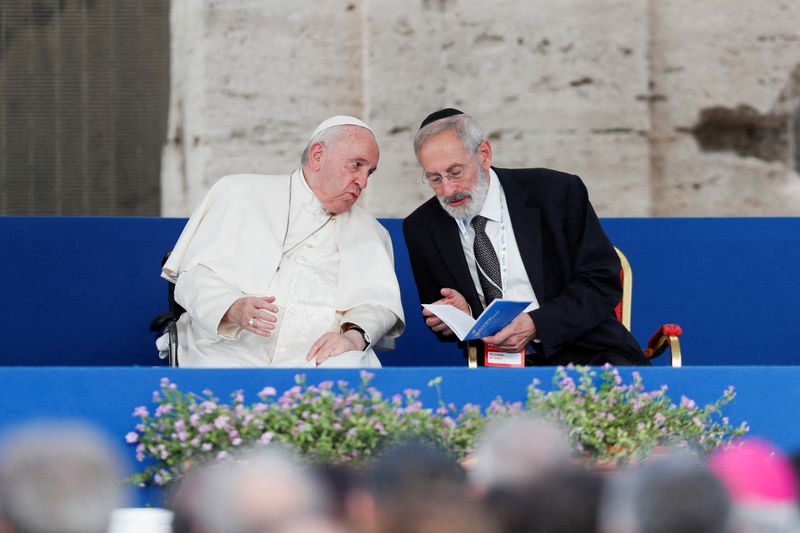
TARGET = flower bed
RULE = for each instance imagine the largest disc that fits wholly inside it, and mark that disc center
(335, 422)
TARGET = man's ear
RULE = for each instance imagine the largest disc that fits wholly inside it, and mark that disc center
(315, 152)
(485, 154)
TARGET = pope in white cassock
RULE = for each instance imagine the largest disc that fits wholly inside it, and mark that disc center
(284, 271)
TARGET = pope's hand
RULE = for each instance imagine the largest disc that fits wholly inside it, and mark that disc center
(333, 344)
(515, 335)
(451, 297)
(255, 314)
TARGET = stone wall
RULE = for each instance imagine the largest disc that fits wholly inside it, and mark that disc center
(665, 108)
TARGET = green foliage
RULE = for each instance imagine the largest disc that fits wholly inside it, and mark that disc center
(336, 423)
(611, 421)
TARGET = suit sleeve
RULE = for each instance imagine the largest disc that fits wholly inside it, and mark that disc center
(417, 242)
(592, 289)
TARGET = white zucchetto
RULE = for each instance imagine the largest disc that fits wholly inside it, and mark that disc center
(340, 120)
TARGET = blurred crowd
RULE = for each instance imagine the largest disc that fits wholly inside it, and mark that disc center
(522, 478)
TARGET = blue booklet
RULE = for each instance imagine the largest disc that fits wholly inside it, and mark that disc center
(494, 318)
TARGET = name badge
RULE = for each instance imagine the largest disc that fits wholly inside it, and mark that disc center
(494, 357)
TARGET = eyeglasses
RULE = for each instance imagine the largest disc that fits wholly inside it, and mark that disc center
(436, 180)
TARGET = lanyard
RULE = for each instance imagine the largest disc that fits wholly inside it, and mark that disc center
(503, 255)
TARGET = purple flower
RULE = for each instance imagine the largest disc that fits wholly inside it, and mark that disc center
(164, 409)
(208, 407)
(194, 420)
(414, 407)
(180, 425)
(164, 382)
(266, 438)
(131, 437)
(222, 455)
(367, 376)
(267, 391)
(141, 411)
(206, 447)
(238, 397)
(183, 436)
(221, 421)
(659, 419)
(351, 432)
(687, 403)
(140, 452)
(205, 428)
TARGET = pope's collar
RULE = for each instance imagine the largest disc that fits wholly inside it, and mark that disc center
(306, 195)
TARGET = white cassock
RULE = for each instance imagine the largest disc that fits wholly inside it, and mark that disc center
(236, 244)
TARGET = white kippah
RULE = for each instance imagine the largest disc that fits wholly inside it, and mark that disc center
(340, 120)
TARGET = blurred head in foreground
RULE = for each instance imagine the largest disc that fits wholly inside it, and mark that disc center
(58, 478)
(664, 495)
(563, 500)
(517, 450)
(260, 491)
(762, 484)
(418, 488)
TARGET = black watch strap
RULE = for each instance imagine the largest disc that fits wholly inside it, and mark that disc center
(349, 325)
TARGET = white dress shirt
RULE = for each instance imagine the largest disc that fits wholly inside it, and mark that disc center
(516, 285)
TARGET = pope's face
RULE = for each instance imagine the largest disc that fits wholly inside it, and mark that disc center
(454, 173)
(343, 167)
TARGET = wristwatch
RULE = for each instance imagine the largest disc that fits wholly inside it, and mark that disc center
(347, 326)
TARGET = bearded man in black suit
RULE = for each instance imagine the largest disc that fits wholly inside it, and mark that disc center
(520, 234)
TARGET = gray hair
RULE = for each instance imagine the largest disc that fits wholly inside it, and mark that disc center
(467, 129)
(518, 450)
(264, 489)
(59, 478)
(326, 137)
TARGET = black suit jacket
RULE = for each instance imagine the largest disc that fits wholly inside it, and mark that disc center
(570, 263)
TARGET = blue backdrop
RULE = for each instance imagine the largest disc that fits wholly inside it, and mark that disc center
(82, 291)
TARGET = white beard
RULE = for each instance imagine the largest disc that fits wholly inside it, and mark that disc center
(476, 198)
